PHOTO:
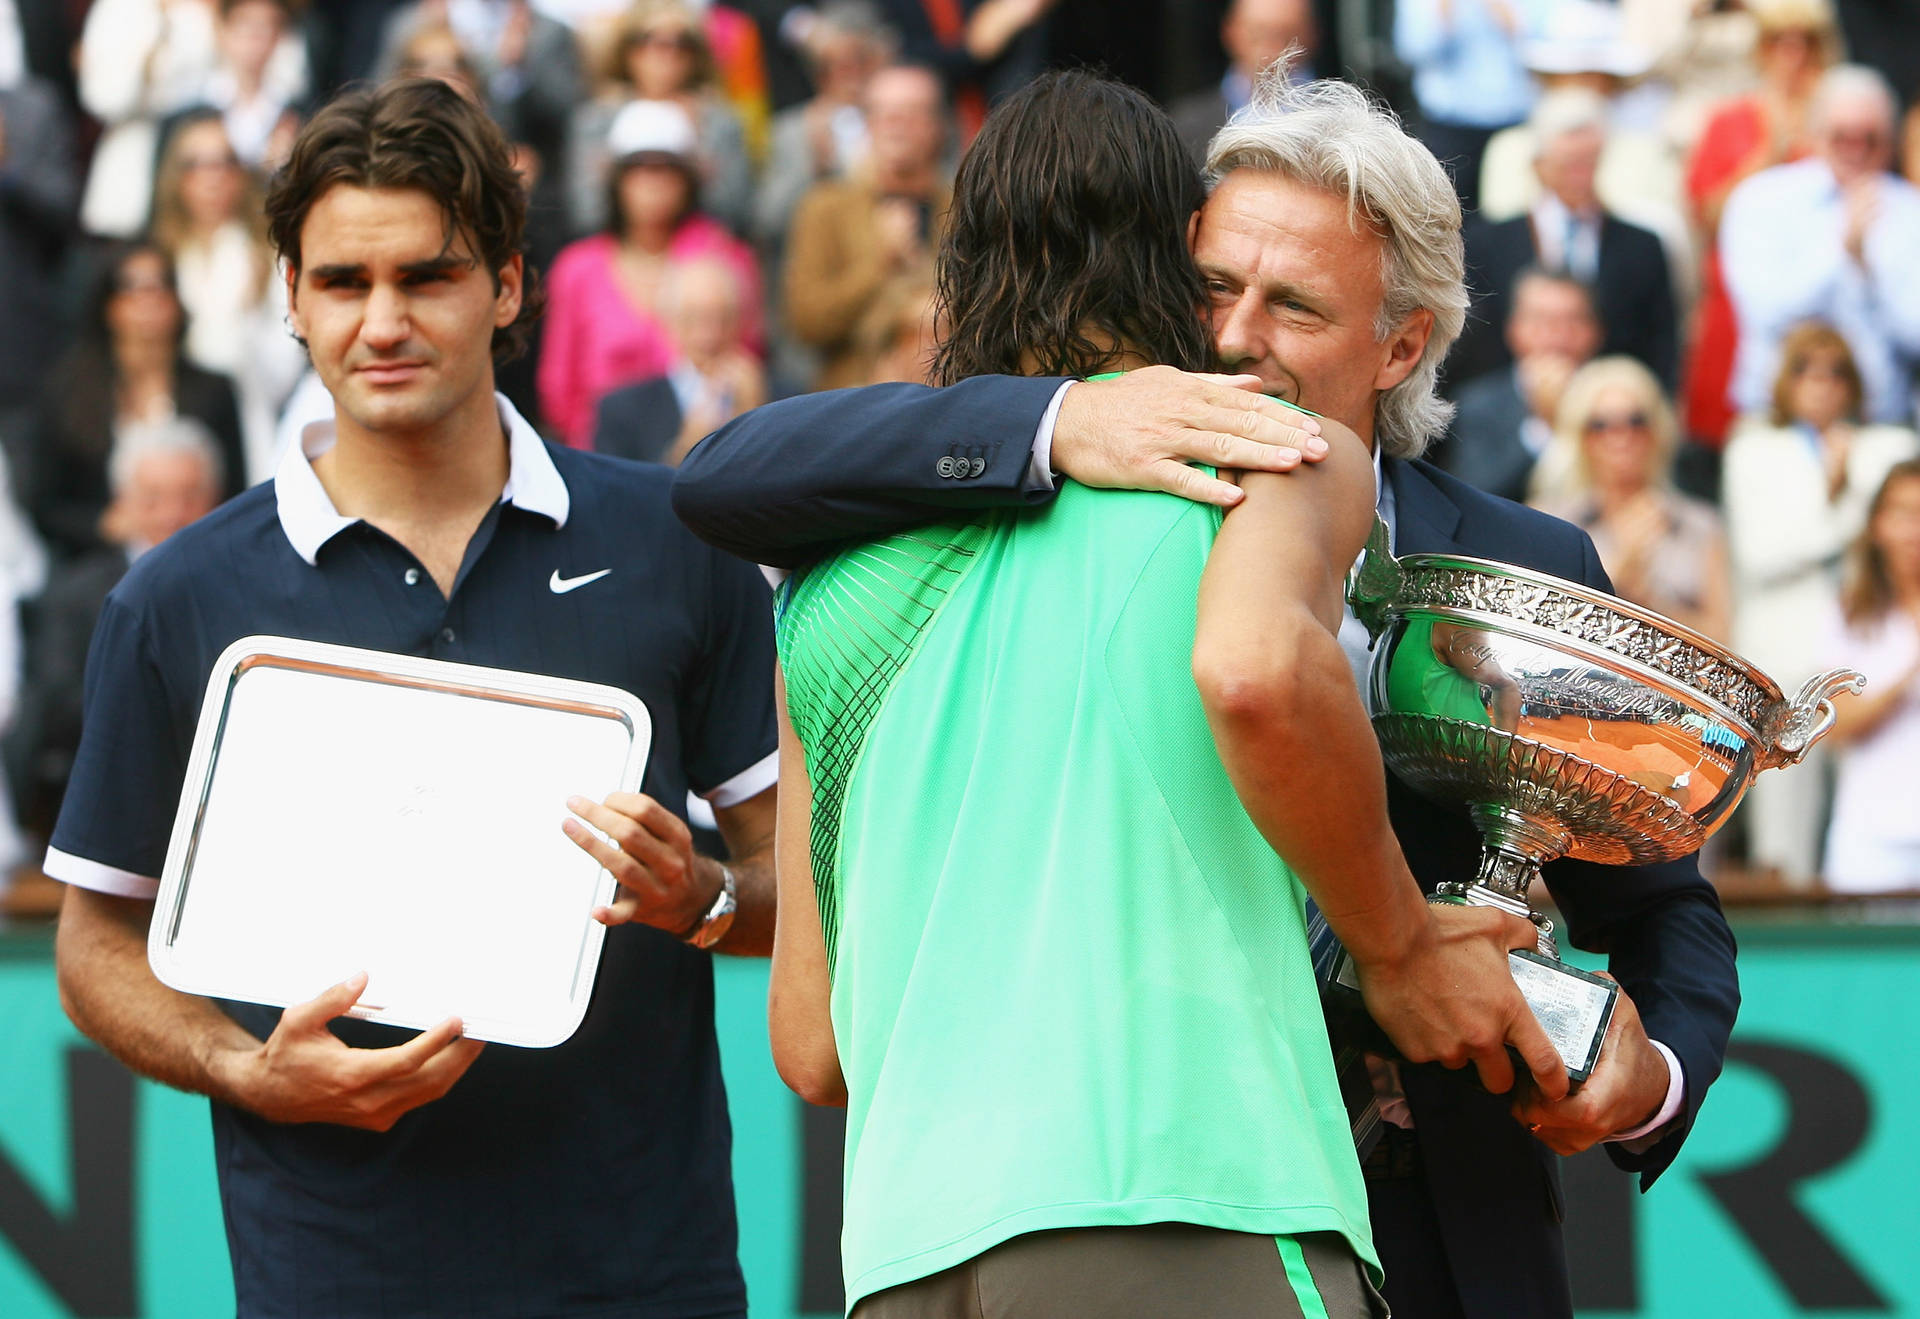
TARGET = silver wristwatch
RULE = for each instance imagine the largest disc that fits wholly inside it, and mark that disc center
(712, 927)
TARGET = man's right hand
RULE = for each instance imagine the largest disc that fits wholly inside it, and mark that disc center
(303, 1073)
(1449, 997)
(1140, 431)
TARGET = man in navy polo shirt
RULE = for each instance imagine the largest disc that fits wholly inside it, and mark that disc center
(429, 1177)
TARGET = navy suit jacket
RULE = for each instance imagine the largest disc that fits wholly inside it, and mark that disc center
(1633, 288)
(785, 483)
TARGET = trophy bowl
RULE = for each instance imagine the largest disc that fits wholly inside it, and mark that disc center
(1568, 722)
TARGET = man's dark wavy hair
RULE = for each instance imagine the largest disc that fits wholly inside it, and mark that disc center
(415, 133)
(1070, 215)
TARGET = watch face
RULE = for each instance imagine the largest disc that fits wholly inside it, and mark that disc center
(716, 927)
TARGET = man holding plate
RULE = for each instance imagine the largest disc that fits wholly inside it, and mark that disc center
(428, 519)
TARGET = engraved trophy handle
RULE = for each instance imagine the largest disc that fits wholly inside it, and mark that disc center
(1374, 584)
(1808, 717)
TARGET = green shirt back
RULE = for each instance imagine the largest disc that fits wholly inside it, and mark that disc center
(1071, 984)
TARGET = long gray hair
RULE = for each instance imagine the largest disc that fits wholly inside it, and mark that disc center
(1331, 135)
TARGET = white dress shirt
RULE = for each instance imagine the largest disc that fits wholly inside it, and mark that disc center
(1782, 247)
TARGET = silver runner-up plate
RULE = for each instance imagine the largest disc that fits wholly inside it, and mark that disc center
(348, 810)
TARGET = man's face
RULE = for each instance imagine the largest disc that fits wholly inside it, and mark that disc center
(1856, 137)
(1553, 318)
(1293, 293)
(399, 322)
(705, 315)
(903, 120)
(1569, 164)
(249, 33)
(1258, 32)
(164, 492)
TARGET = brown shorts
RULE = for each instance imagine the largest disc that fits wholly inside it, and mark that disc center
(1159, 1271)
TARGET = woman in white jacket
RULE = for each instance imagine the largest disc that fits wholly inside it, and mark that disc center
(1796, 490)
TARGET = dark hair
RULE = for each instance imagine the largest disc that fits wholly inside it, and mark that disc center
(104, 285)
(1070, 217)
(617, 174)
(415, 133)
(1537, 274)
(1867, 594)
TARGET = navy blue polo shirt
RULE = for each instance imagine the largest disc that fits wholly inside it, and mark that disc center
(592, 1178)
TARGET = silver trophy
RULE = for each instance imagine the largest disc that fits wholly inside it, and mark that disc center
(1569, 723)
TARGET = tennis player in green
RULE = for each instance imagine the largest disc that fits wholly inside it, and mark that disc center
(1035, 929)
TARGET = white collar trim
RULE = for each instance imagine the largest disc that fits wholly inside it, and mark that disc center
(310, 520)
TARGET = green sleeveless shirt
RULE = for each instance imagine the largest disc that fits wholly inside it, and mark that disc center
(1071, 984)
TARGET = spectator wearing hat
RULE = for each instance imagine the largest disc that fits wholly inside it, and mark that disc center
(1797, 42)
(603, 322)
(852, 237)
(1569, 230)
(1835, 237)
(714, 379)
(661, 52)
(1254, 35)
(1584, 46)
(1468, 78)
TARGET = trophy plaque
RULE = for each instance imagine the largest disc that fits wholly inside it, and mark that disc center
(1568, 722)
(348, 810)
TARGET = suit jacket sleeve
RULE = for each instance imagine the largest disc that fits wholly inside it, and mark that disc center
(786, 482)
(1668, 944)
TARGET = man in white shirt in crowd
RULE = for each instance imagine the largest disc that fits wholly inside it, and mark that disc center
(1835, 237)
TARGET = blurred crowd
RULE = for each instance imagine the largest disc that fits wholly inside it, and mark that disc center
(1693, 244)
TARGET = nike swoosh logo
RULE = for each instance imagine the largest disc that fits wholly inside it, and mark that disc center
(561, 585)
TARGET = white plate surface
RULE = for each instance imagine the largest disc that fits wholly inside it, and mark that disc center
(347, 810)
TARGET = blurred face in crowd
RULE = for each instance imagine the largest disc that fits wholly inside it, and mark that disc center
(399, 320)
(144, 309)
(660, 60)
(654, 195)
(905, 122)
(1258, 32)
(211, 184)
(703, 311)
(435, 52)
(1552, 318)
(1293, 294)
(1790, 58)
(1568, 164)
(249, 33)
(1820, 393)
(1855, 136)
(843, 62)
(1896, 529)
(1618, 440)
(165, 490)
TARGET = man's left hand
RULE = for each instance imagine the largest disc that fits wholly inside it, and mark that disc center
(650, 856)
(1627, 1087)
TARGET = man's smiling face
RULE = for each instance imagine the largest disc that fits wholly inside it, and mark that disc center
(1293, 293)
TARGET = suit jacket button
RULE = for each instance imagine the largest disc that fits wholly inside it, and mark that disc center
(979, 466)
(944, 467)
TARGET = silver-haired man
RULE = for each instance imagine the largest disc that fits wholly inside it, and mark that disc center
(1331, 253)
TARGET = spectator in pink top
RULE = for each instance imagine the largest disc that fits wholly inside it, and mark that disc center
(603, 329)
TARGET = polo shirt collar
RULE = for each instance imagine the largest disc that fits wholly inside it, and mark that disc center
(310, 520)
